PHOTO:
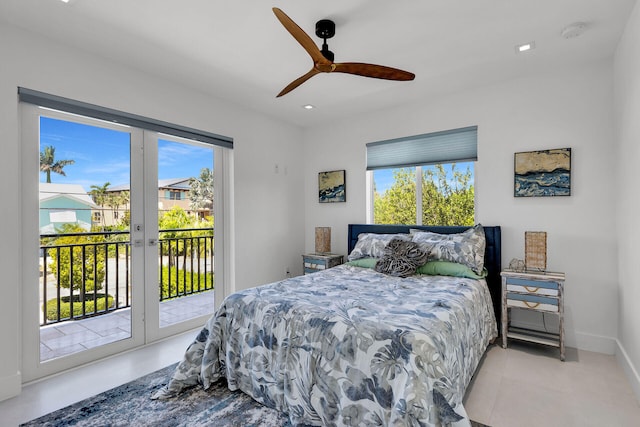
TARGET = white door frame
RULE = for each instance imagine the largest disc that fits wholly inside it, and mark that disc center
(32, 367)
(153, 331)
(143, 208)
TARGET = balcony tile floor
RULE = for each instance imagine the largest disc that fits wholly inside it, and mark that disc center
(65, 338)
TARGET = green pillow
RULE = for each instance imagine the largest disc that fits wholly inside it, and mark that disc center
(446, 268)
(363, 262)
(432, 268)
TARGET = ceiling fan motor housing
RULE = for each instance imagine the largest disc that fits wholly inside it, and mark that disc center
(325, 29)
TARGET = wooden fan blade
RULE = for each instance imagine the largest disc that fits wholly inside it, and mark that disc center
(303, 38)
(297, 82)
(372, 70)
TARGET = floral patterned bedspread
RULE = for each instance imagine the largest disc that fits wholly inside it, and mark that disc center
(348, 346)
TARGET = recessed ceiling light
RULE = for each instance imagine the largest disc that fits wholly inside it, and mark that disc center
(64, 1)
(308, 107)
(525, 47)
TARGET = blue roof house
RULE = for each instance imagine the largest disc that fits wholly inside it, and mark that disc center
(64, 204)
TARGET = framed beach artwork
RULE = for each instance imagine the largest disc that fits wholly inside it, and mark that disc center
(332, 187)
(542, 173)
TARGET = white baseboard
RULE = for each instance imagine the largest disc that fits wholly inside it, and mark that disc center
(595, 343)
(629, 369)
(10, 386)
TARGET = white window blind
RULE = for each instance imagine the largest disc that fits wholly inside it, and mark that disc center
(448, 146)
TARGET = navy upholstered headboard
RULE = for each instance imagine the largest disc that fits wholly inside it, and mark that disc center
(492, 257)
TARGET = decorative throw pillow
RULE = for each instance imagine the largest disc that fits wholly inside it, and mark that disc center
(395, 265)
(409, 250)
(446, 268)
(401, 258)
(466, 248)
(363, 262)
(372, 245)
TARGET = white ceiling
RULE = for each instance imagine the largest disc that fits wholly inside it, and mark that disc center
(238, 50)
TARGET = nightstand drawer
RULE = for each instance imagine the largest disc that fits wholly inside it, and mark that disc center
(318, 262)
(532, 286)
(538, 291)
(533, 302)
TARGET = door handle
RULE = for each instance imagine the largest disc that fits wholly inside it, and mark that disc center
(153, 242)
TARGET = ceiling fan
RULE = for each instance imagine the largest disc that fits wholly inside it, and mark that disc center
(323, 59)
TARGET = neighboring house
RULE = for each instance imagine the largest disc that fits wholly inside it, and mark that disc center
(174, 192)
(64, 204)
(171, 192)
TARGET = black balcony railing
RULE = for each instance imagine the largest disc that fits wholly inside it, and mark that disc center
(88, 274)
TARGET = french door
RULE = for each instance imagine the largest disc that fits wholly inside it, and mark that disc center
(119, 239)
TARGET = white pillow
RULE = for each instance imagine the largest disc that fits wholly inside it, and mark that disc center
(372, 245)
(466, 248)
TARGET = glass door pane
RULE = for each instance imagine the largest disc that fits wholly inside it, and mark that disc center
(118, 238)
(85, 286)
(185, 255)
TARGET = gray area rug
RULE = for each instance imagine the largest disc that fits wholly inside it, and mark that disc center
(130, 405)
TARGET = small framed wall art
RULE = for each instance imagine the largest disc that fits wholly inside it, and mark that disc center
(332, 187)
(542, 173)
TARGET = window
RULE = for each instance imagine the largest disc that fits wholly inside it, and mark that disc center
(175, 195)
(426, 179)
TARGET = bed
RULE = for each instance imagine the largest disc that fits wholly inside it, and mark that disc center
(354, 346)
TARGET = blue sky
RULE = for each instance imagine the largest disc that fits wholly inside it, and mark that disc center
(383, 179)
(102, 155)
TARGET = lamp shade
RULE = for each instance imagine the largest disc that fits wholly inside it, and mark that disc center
(535, 250)
(323, 239)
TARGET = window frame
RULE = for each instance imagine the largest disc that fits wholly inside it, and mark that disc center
(370, 199)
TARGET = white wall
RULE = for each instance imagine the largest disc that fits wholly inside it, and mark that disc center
(267, 211)
(627, 114)
(564, 108)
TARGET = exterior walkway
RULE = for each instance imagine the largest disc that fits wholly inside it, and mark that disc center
(78, 335)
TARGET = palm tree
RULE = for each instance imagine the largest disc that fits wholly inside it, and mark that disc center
(49, 164)
(115, 200)
(99, 195)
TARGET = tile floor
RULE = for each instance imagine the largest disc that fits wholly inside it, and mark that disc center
(527, 385)
(524, 385)
(64, 338)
